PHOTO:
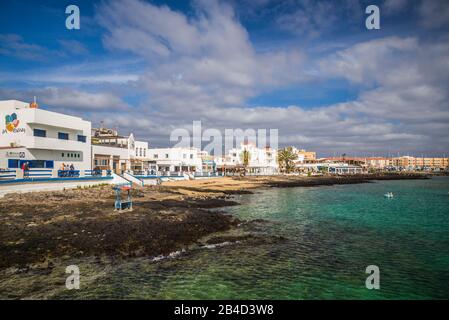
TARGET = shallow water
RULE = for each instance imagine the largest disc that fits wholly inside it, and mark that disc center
(330, 235)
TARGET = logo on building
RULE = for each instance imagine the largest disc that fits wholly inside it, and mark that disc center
(11, 122)
(12, 154)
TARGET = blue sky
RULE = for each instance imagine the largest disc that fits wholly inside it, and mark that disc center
(309, 68)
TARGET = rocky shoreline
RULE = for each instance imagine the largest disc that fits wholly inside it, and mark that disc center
(37, 228)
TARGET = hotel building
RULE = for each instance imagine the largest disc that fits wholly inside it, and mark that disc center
(111, 151)
(305, 156)
(404, 162)
(42, 138)
(261, 160)
(420, 162)
(175, 159)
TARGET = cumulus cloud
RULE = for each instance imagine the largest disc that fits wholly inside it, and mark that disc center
(205, 66)
(394, 6)
(68, 100)
(365, 62)
(205, 60)
(94, 72)
(14, 45)
(73, 47)
(434, 14)
(208, 69)
(315, 18)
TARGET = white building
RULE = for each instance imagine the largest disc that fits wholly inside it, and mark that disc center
(42, 138)
(175, 159)
(110, 151)
(46, 140)
(261, 160)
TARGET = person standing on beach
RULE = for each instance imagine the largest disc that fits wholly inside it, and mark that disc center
(61, 170)
(26, 169)
(72, 170)
(23, 169)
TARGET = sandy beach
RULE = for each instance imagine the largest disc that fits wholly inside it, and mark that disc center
(37, 228)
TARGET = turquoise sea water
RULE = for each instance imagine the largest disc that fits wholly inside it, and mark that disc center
(329, 235)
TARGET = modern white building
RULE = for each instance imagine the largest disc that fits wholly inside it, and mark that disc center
(110, 151)
(261, 160)
(175, 159)
(48, 140)
(42, 138)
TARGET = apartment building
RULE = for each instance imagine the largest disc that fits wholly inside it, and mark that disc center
(111, 151)
(42, 138)
(420, 162)
(260, 160)
(175, 159)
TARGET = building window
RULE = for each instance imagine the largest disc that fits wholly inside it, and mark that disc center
(166, 156)
(62, 154)
(13, 163)
(39, 133)
(191, 156)
(155, 156)
(184, 156)
(63, 136)
(144, 152)
(81, 138)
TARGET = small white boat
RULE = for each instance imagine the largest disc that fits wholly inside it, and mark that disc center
(389, 195)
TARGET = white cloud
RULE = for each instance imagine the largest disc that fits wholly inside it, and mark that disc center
(211, 50)
(434, 14)
(69, 100)
(366, 62)
(209, 68)
(394, 6)
(314, 18)
(90, 72)
(204, 66)
(73, 47)
(14, 45)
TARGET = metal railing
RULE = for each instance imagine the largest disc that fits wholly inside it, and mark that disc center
(68, 173)
(8, 174)
(38, 173)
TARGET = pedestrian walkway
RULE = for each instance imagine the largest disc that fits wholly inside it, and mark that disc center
(46, 186)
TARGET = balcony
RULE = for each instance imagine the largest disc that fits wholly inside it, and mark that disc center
(53, 144)
(52, 119)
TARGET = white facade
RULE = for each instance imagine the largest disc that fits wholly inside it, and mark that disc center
(125, 153)
(42, 138)
(176, 159)
(141, 150)
(261, 160)
(116, 159)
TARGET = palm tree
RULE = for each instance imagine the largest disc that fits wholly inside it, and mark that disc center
(285, 159)
(245, 156)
